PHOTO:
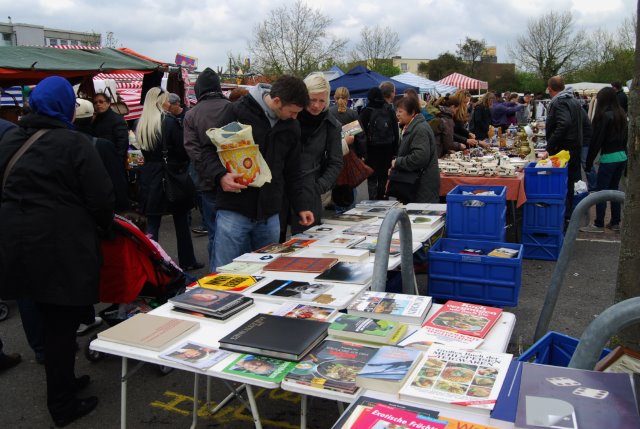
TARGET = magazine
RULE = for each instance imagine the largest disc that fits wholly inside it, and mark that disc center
(195, 355)
(260, 367)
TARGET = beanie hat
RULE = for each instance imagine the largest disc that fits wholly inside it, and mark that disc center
(208, 81)
(84, 108)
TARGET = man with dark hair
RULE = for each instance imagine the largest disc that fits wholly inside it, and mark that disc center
(388, 91)
(565, 129)
(248, 217)
(622, 97)
(210, 112)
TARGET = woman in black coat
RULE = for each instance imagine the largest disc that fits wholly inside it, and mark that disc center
(56, 198)
(156, 129)
(109, 125)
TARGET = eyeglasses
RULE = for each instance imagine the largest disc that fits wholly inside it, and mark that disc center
(100, 102)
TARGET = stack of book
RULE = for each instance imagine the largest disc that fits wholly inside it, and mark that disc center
(397, 307)
(369, 204)
(229, 282)
(217, 304)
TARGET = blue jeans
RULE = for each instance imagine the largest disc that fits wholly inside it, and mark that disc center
(237, 234)
(592, 176)
(609, 175)
(209, 221)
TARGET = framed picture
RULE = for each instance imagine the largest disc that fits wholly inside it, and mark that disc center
(621, 359)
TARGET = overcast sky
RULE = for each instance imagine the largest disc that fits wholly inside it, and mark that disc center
(209, 30)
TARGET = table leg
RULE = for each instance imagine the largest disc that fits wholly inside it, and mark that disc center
(254, 407)
(341, 407)
(303, 412)
(515, 221)
(235, 393)
(123, 394)
(194, 422)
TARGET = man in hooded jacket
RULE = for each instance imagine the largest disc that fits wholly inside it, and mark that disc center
(210, 112)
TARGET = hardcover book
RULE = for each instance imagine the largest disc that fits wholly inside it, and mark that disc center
(195, 355)
(348, 272)
(348, 255)
(229, 282)
(325, 229)
(464, 318)
(367, 204)
(332, 365)
(299, 242)
(275, 336)
(467, 380)
(263, 258)
(350, 327)
(426, 336)
(370, 243)
(367, 229)
(388, 369)
(558, 397)
(236, 267)
(338, 241)
(347, 219)
(214, 302)
(292, 289)
(305, 311)
(423, 212)
(260, 367)
(391, 306)
(503, 414)
(366, 403)
(148, 331)
(301, 264)
(420, 221)
(278, 248)
(384, 417)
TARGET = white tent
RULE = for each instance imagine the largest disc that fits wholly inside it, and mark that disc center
(426, 86)
(587, 87)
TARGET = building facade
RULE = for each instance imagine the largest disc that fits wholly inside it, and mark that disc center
(20, 34)
(409, 64)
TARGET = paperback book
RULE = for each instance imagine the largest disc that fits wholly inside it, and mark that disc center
(351, 129)
(350, 327)
(325, 229)
(332, 365)
(367, 229)
(278, 248)
(370, 244)
(426, 336)
(260, 367)
(411, 309)
(301, 264)
(299, 242)
(388, 369)
(293, 289)
(213, 302)
(384, 417)
(348, 272)
(305, 311)
(347, 255)
(423, 212)
(347, 219)
(469, 319)
(420, 221)
(338, 241)
(367, 204)
(467, 380)
(195, 355)
(366, 403)
(503, 252)
(236, 267)
(229, 282)
(262, 258)
(275, 336)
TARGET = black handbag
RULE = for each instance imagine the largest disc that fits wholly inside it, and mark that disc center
(403, 184)
(177, 184)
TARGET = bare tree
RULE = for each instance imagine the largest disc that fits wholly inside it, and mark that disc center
(627, 33)
(550, 45)
(628, 281)
(110, 41)
(470, 51)
(376, 45)
(293, 39)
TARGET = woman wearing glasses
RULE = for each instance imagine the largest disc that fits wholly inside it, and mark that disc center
(109, 125)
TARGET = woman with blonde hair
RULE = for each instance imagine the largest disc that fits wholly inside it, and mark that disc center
(320, 151)
(159, 131)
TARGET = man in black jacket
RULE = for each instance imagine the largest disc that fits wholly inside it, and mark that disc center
(210, 112)
(247, 217)
(622, 97)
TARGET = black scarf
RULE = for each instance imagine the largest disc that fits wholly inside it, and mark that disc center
(309, 123)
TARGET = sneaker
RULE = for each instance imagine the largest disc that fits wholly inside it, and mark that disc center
(83, 329)
(615, 228)
(200, 230)
(592, 228)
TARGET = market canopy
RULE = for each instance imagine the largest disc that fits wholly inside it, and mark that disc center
(28, 65)
(360, 79)
(588, 87)
(461, 81)
(426, 86)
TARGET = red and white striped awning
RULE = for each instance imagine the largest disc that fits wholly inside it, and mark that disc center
(129, 80)
(461, 81)
(131, 97)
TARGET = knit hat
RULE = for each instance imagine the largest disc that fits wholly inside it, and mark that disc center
(84, 108)
(208, 81)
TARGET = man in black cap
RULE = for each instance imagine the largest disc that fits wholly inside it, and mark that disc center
(208, 113)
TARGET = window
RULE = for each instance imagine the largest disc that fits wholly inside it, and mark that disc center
(404, 67)
(64, 42)
(53, 42)
(6, 39)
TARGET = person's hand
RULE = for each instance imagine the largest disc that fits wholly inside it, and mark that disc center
(306, 218)
(349, 139)
(484, 144)
(471, 135)
(472, 142)
(229, 184)
(393, 162)
(462, 146)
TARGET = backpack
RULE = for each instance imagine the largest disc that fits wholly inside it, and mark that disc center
(381, 128)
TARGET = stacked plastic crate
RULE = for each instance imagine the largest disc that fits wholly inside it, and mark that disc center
(543, 214)
(475, 222)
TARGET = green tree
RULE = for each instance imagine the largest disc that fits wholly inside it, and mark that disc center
(423, 68)
(444, 65)
(386, 68)
(528, 81)
(471, 51)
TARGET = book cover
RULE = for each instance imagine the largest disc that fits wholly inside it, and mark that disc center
(195, 355)
(278, 248)
(351, 129)
(263, 258)
(393, 306)
(426, 336)
(468, 380)
(260, 367)
(348, 272)
(503, 252)
(469, 319)
(195, 313)
(236, 267)
(348, 255)
(420, 221)
(299, 242)
(370, 243)
(347, 219)
(423, 212)
(472, 251)
(229, 282)
(366, 403)
(301, 264)
(325, 229)
(376, 211)
(504, 412)
(384, 417)
(332, 365)
(367, 229)
(377, 203)
(338, 241)
(558, 397)
(275, 336)
(148, 331)
(216, 302)
(305, 311)
(352, 327)
(388, 369)
(293, 289)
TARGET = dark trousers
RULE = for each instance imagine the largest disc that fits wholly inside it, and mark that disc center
(609, 175)
(186, 257)
(60, 325)
(33, 325)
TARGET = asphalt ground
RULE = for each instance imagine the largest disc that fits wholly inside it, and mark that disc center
(164, 401)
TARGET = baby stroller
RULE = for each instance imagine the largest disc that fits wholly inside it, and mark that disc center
(134, 277)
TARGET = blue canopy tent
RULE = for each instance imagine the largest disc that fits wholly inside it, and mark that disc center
(360, 79)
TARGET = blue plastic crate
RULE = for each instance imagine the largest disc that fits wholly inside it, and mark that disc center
(554, 349)
(484, 280)
(545, 183)
(477, 217)
(543, 245)
(543, 215)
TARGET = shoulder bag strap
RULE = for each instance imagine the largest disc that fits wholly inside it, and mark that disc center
(16, 156)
